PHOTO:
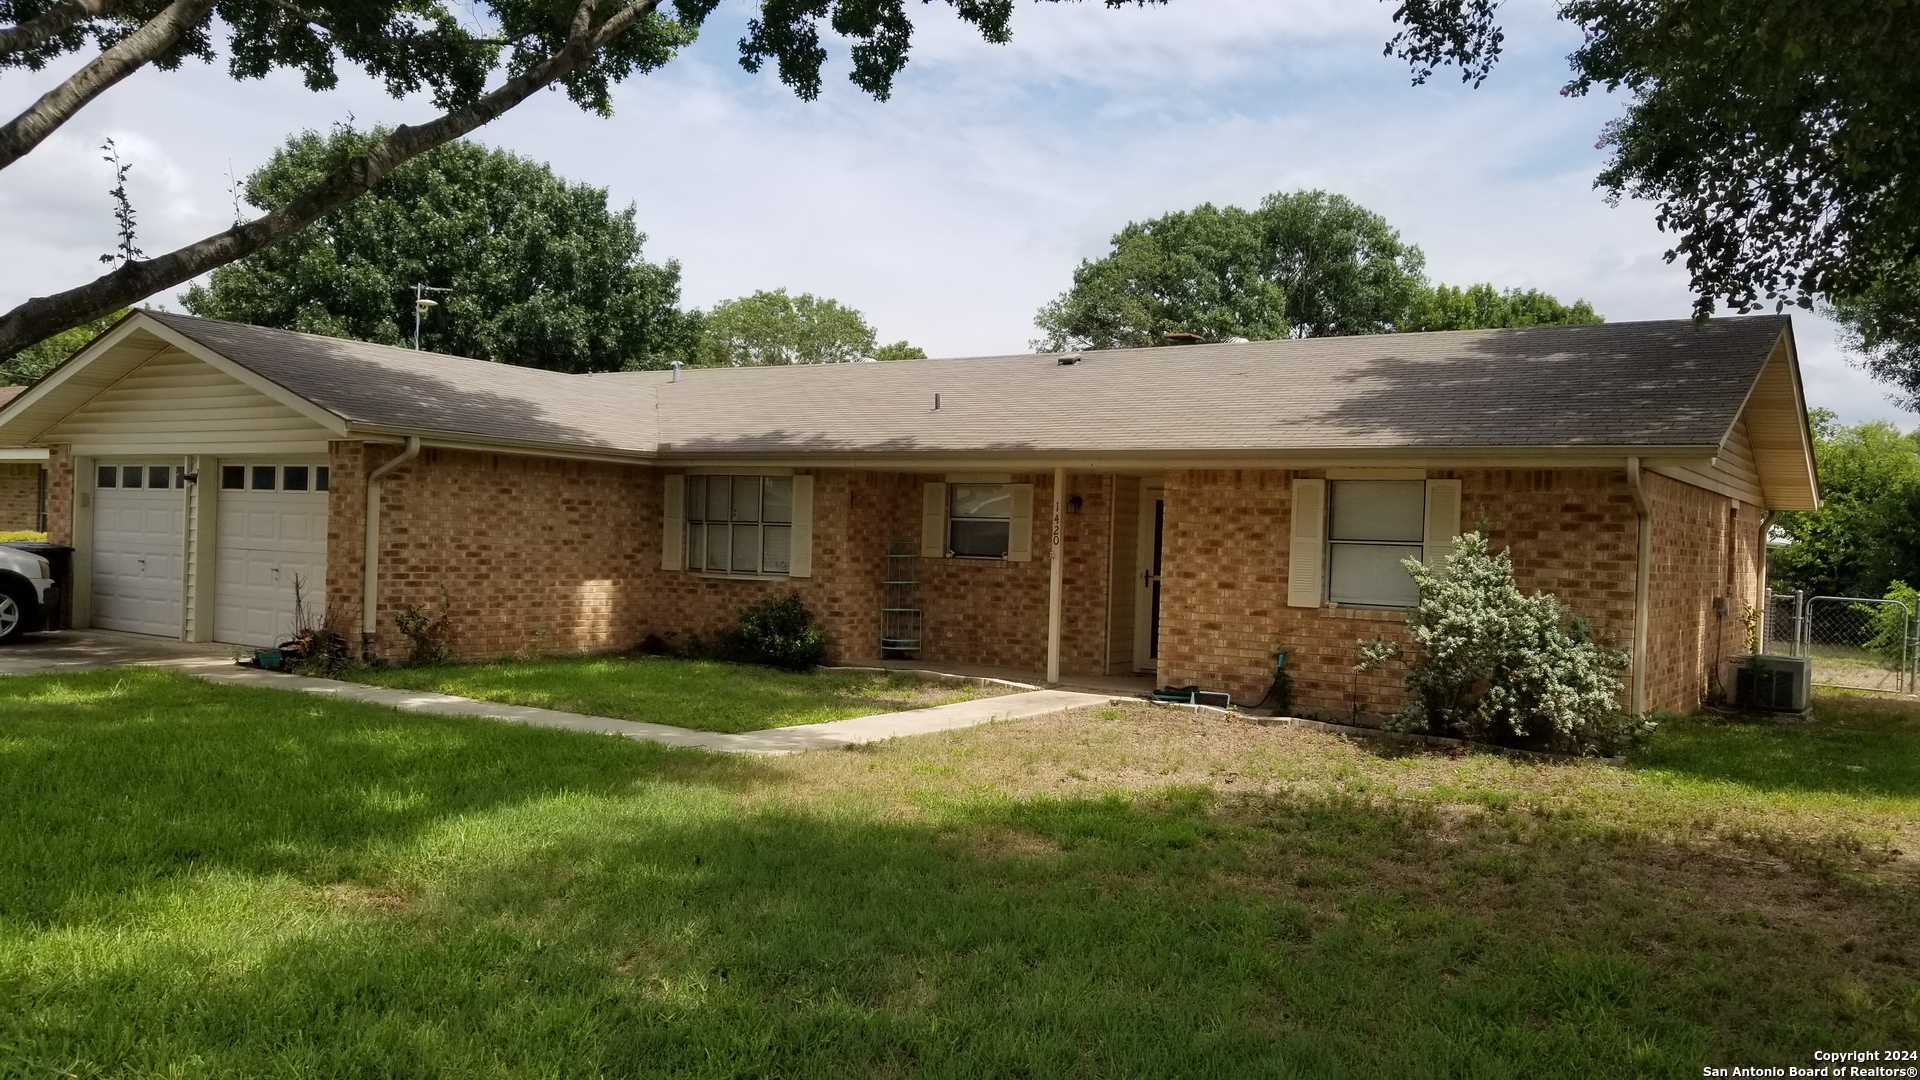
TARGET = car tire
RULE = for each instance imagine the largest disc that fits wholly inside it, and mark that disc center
(17, 610)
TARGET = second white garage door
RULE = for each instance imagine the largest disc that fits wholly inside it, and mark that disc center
(272, 530)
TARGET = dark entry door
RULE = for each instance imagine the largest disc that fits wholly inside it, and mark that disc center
(1146, 648)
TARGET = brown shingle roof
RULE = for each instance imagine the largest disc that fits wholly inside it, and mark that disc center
(1651, 384)
(386, 387)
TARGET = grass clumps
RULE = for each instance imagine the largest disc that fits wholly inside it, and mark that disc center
(227, 881)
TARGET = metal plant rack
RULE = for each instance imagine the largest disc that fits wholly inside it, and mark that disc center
(900, 617)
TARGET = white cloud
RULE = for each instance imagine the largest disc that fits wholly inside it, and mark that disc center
(952, 212)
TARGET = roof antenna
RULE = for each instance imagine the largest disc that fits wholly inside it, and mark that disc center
(675, 377)
(422, 305)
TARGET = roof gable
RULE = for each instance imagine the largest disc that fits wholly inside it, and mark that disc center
(176, 403)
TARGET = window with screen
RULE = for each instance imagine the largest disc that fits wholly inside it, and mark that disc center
(1372, 526)
(739, 524)
(979, 520)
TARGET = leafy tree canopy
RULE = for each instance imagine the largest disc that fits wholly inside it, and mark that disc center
(1777, 139)
(451, 51)
(1305, 264)
(899, 350)
(1479, 307)
(775, 328)
(30, 363)
(540, 272)
(1863, 538)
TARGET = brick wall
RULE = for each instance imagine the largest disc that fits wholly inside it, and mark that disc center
(524, 554)
(1224, 611)
(973, 611)
(1704, 549)
(995, 613)
(60, 494)
(547, 555)
(849, 541)
(348, 465)
(19, 496)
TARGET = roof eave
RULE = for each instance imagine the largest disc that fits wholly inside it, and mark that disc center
(1161, 459)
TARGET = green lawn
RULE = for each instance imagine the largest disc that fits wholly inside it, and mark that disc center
(220, 881)
(701, 694)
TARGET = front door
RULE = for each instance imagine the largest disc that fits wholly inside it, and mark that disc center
(1146, 622)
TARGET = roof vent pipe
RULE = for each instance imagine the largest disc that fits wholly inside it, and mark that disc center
(675, 377)
(936, 403)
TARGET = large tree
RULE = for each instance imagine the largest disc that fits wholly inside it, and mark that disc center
(771, 327)
(1305, 264)
(1780, 141)
(538, 272)
(1862, 538)
(584, 46)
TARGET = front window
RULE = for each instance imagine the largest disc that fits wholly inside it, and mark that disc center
(1373, 525)
(979, 520)
(739, 524)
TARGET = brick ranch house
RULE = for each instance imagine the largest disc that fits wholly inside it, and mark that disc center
(1186, 511)
(23, 481)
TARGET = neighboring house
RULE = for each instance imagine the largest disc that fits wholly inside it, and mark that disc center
(1185, 510)
(23, 481)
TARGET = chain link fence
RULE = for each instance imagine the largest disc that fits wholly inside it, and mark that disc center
(1859, 642)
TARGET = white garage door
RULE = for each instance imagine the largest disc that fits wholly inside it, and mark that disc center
(139, 529)
(272, 531)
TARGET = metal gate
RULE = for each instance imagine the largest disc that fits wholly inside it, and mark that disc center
(1859, 642)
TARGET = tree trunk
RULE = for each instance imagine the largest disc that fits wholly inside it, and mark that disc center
(57, 106)
(42, 28)
(44, 316)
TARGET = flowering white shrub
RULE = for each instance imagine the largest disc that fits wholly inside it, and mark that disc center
(1494, 664)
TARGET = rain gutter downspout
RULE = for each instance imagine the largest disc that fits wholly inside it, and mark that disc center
(1056, 574)
(370, 569)
(1642, 576)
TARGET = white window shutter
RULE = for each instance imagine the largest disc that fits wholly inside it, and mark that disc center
(1443, 519)
(933, 521)
(673, 523)
(1307, 552)
(1020, 525)
(800, 558)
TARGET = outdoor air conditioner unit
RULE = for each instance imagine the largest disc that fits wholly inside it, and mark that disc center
(1773, 683)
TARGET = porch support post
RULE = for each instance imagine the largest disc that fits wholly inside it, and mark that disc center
(1642, 578)
(1056, 582)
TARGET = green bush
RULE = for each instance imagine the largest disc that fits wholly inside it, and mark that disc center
(429, 638)
(23, 535)
(1891, 624)
(1493, 664)
(777, 632)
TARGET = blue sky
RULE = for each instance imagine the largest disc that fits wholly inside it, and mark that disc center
(952, 212)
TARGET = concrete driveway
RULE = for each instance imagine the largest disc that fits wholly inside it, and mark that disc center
(86, 650)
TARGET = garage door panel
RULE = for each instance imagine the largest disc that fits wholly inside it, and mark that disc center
(138, 556)
(267, 539)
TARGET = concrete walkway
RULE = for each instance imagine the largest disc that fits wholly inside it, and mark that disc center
(68, 651)
(84, 650)
(787, 740)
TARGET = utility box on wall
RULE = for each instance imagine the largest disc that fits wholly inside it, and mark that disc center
(1772, 683)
